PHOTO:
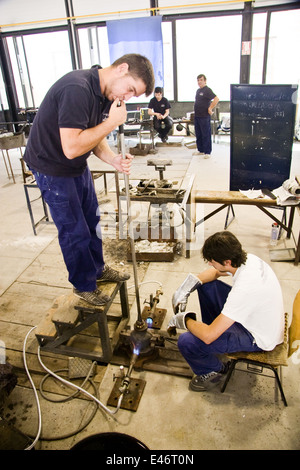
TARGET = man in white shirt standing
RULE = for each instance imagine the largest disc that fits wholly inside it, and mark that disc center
(249, 316)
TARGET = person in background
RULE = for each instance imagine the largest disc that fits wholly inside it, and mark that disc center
(249, 316)
(77, 114)
(159, 107)
(205, 101)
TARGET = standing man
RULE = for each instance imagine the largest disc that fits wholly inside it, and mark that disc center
(74, 119)
(205, 102)
(249, 316)
(159, 107)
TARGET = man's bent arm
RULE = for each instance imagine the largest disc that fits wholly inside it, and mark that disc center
(209, 333)
(213, 104)
(209, 275)
(104, 152)
(76, 142)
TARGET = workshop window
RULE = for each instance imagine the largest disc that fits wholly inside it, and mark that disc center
(210, 46)
(258, 47)
(38, 60)
(94, 46)
(283, 66)
(3, 97)
(168, 60)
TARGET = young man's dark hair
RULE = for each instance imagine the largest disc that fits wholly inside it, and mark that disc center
(224, 246)
(201, 76)
(158, 89)
(139, 67)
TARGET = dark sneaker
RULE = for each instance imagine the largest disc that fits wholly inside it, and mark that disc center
(110, 274)
(200, 383)
(94, 298)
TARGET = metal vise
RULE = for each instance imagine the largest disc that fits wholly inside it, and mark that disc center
(160, 165)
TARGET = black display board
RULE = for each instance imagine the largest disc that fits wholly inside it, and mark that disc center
(262, 130)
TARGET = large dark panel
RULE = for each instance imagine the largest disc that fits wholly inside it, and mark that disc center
(262, 129)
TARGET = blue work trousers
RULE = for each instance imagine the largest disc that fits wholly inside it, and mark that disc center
(204, 358)
(203, 134)
(74, 209)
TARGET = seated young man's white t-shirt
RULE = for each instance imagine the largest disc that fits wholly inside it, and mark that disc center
(255, 301)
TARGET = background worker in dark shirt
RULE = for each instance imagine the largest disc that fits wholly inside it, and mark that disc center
(159, 107)
(74, 119)
(205, 101)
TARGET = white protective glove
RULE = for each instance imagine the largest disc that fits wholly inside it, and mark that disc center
(180, 297)
(178, 321)
(292, 187)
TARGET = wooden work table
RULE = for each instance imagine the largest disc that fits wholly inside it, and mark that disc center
(230, 198)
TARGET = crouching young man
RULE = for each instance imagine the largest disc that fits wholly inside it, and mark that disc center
(249, 316)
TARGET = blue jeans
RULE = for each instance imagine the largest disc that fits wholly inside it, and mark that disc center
(74, 209)
(203, 134)
(203, 358)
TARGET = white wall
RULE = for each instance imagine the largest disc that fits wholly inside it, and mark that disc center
(14, 14)
(30, 11)
(108, 10)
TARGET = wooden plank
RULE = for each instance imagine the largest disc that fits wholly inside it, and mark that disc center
(53, 361)
(41, 272)
(27, 303)
(229, 197)
(46, 328)
(14, 335)
(63, 309)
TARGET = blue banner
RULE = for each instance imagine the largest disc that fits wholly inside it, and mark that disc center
(141, 36)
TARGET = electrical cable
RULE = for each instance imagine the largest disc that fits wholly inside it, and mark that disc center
(72, 433)
(85, 392)
(68, 383)
(83, 425)
(31, 446)
(145, 282)
(78, 389)
(69, 397)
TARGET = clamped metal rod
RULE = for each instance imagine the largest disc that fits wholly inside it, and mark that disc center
(131, 233)
(153, 303)
(126, 380)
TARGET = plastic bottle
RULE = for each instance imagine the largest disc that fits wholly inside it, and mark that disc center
(274, 234)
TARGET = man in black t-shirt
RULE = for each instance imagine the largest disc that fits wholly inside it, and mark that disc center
(77, 114)
(205, 101)
(159, 107)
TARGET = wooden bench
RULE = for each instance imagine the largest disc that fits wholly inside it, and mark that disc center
(230, 198)
(64, 325)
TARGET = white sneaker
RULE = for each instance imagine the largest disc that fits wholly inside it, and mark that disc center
(207, 155)
(198, 153)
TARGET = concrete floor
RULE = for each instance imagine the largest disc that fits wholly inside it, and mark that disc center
(248, 416)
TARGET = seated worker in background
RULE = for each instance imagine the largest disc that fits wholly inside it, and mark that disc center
(74, 119)
(159, 107)
(249, 316)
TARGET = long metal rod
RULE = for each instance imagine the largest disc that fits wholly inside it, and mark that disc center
(130, 227)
